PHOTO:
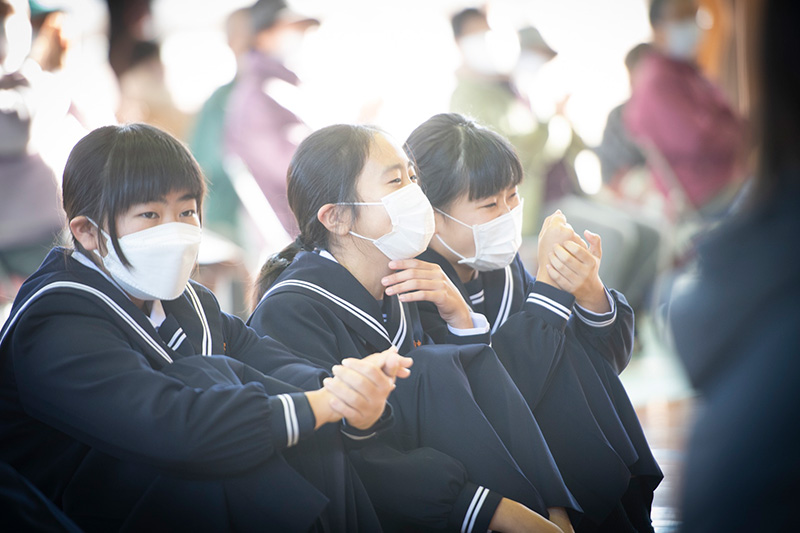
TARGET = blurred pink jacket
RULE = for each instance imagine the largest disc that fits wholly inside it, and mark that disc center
(262, 132)
(680, 114)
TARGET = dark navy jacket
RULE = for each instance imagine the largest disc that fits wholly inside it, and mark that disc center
(565, 361)
(124, 426)
(459, 418)
(736, 326)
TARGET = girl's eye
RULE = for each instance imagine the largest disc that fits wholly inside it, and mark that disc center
(396, 180)
(150, 215)
(189, 213)
(489, 206)
(513, 194)
(412, 177)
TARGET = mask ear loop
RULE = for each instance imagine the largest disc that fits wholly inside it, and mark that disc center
(105, 242)
(353, 233)
(461, 257)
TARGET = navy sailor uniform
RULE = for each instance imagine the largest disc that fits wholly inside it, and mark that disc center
(565, 361)
(463, 436)
(199, 425)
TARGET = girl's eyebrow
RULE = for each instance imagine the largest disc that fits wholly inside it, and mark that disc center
(392, 168)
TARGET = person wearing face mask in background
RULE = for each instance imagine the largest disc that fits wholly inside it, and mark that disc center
(693, 140)
(466, 454)
(133, 403)
(261, 127)
(500, 85)
(487, 90)
(562, 335)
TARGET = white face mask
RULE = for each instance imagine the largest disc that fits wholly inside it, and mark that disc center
(682, 38)
(412, 223)
(162, 259)
(496, 241)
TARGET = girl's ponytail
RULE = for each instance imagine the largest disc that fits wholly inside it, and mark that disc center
(274, 266)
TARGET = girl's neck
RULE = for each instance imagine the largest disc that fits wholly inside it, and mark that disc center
(367, 267)
(465, 273)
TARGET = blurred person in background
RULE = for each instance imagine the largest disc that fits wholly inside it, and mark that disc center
(78, 90)
(30, 213)
(691, 136)
(206, 140)
(144, 95)
(128, 24)
(735, 320)
(618, 153)
(628, 188)
(486, 91)
(555, 162)
(497, 92)
(260, 127)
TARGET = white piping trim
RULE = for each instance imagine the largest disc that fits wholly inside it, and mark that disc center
(174, 338)
(474, 509)
(505, 303)
(357, 437)
(549, 307)
(206, 346)
(180, 341)
(290, 418)
(478, 297)
(400, 336)
(104, 298)
(595, 323)
(563, 308)
(366, 318)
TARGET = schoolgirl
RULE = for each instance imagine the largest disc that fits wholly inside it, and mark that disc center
(562, 335)
(466, 453)
(132, 402)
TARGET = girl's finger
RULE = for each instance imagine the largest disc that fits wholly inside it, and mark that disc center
(345, 393)
(579, 252)
(564, 261)
(562, 282)
(414, 285)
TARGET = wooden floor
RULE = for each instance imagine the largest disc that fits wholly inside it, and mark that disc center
(667, 424)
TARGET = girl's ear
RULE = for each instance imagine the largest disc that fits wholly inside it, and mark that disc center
(335, 219)
(85, 233)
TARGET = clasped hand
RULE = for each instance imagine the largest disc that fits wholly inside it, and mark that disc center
(359, 388)
(567, 262)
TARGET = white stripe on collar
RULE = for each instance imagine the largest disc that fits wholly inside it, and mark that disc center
(505, 303)
(103, 298)
(198, 307)
(157, 314)
(402, 329)
(400, 336)
(341, 302)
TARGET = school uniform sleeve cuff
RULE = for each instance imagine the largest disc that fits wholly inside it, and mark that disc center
(479, 333)
(480, 326)
(384, 422)
(474, 509)
(551, 304)
(598, 320)
(292, 418)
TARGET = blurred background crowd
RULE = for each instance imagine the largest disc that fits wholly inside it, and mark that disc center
(608, 103)
(629, 115)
